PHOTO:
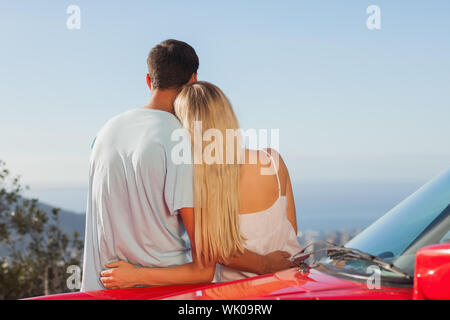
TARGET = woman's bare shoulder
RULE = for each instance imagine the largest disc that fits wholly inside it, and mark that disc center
(263, 158)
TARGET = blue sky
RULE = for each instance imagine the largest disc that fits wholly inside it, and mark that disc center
(352, 104)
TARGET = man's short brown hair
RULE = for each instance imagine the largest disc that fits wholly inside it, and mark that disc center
(171, 64)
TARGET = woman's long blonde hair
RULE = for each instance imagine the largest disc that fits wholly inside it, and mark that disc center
(216, 185)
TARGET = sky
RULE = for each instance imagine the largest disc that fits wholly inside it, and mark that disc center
(354, 106)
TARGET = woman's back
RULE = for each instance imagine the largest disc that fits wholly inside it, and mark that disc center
(259, 187)
(267, 212)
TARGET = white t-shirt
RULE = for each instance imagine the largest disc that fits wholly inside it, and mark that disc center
(135, 191)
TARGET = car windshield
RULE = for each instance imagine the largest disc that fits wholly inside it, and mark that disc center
(420, 220)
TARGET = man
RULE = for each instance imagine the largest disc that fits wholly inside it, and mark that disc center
(140, 202)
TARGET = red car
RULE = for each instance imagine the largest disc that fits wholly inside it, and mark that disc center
(403, 255)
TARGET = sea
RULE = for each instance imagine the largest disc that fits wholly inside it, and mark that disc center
(320, 205)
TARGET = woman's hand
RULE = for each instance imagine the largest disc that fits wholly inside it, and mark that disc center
(120, 274)
(277, 261)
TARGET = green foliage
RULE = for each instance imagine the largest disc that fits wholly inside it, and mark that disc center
(35, 253)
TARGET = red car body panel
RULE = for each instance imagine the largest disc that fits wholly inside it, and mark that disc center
(287, 284)
(432, 272)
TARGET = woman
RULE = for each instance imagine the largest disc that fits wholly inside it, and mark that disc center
(244, 204)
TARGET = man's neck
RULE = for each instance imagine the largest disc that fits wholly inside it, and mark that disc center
(162, 100)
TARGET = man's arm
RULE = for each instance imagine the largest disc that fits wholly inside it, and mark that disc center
(125, 275)
(186, 273)
(248, 261)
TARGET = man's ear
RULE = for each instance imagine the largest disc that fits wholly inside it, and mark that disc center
(149, 81)
(193, 78)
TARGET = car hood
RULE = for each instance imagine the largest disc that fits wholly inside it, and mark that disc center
(287, 284)
(292, 284)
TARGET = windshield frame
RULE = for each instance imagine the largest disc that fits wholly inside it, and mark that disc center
(423, 212)
(362, 277)
(429, 206)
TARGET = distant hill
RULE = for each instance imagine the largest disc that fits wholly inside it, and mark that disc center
(69, 222)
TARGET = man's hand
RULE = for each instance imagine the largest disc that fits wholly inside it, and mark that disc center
(277, 261)
(120, 274)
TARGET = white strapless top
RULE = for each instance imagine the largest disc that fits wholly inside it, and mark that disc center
(265, 231)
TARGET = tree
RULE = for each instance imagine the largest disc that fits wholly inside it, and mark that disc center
(34, 252)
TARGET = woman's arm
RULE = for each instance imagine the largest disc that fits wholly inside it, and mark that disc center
(250, 261)
(277, 260)
(125, 275)
(291, 213)
(283, 173)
